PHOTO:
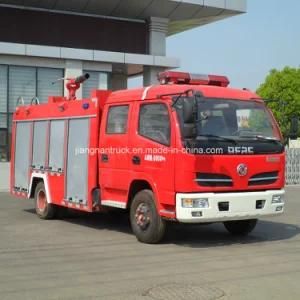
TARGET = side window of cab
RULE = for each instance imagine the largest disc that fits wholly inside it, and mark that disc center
(117, 119)
(154, 123)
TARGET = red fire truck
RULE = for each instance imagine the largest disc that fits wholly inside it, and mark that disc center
(189, 150)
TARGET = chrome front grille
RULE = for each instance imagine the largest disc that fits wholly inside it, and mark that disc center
(263, 178)
(213, 180)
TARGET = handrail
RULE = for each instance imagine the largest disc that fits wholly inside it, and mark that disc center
(20, 99)
(35, 100)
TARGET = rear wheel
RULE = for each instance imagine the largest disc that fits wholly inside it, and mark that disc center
(146, 223)
(242, 227)
(43, 209)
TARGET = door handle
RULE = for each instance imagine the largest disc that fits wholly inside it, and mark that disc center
(104, 158)
(136, 160)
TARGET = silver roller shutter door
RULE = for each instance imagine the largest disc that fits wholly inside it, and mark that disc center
(77, 163)
(22, 155)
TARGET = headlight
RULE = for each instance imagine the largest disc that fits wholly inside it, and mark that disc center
(276, 199)
(195, 203)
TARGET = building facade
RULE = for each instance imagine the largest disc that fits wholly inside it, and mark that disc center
(43, 41)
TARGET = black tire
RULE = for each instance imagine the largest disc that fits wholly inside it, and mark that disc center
(146, 223)
(242, 227)
(61, 212)
(46, 211)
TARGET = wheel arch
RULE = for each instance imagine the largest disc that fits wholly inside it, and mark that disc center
(136, 186)
(36, 178)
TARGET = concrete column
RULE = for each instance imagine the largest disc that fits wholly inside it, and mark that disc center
(158, 29)
(118, 81)
(73, 69)
(150, 75)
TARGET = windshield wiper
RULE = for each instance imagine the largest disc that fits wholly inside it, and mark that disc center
(218, 137)
(262, 138)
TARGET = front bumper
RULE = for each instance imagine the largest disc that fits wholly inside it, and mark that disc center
(241, 206)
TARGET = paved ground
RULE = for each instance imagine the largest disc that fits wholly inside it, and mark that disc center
(4, 175)
(97, 257)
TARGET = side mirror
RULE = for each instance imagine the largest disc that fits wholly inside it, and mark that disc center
(188, 126)
(294, 128)
(188, 110)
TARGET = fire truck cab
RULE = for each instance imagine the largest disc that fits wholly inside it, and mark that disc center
(189, 150)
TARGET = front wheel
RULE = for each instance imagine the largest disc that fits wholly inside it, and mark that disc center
(146, 223)
(243, 227)
(43, 209)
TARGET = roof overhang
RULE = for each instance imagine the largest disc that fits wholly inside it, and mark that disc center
(125, 63)
(183, 14)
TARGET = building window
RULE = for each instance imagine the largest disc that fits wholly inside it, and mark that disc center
(117, 119)
(47, 83)
(97, 80)
(154, 123)
(25, 82)
(3, 145)
(22, 83)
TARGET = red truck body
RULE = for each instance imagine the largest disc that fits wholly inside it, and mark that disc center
(95, 153)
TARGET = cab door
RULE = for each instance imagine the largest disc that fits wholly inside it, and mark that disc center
(114, 165)
(152, 140)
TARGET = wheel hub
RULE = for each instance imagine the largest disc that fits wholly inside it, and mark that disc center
(143, 216)
(41, 201)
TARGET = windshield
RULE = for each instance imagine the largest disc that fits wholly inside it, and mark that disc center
(233, 126)
(235, 119)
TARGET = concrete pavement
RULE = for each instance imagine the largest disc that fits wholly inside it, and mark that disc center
(97, 257)
(4, 176)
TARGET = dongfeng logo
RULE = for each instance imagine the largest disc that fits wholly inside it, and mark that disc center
(242, 170)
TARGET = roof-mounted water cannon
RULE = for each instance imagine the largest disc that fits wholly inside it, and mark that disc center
(73, 84)
(170, 77)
